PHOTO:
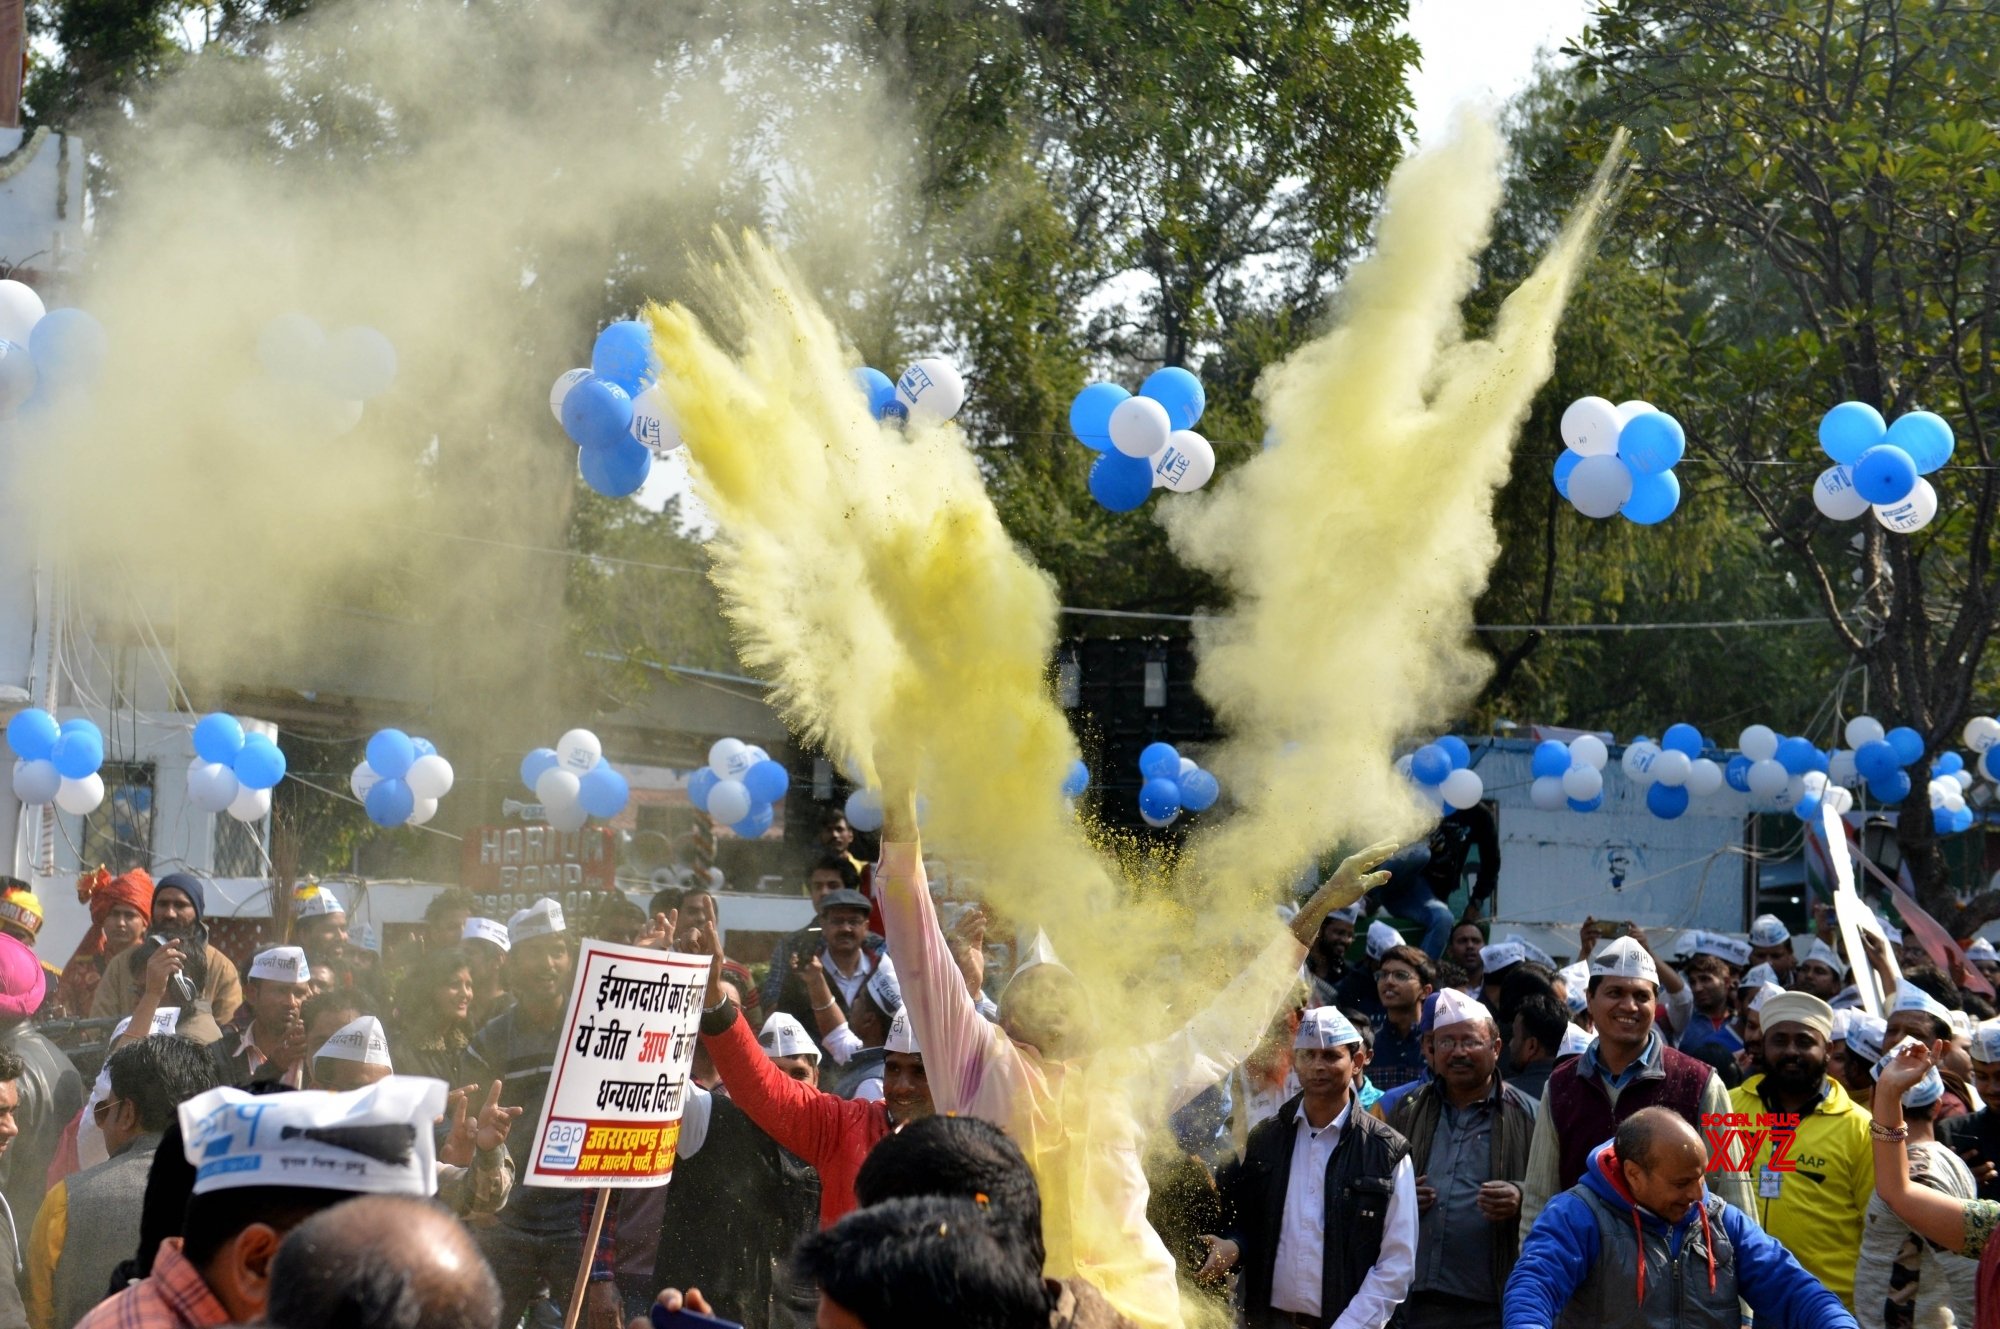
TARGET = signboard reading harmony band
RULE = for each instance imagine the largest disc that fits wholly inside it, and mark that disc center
(613, 1116)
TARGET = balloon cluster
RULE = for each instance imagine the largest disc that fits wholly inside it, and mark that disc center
(44, 352)
(739, 786)
(615, 412)
(1148, 441)
(1620, 459)
(316, 382)
(1173, 784)
(1881, 466)
(1673, 771)
(931, 389)
(401, 779)
(57, 763)
(1443, 769)
(1569, 774)
(233, 770)
(573, 782)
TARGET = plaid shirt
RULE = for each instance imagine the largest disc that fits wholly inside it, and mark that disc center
(174, 1297)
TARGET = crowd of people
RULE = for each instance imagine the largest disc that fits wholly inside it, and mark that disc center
(883, 1132)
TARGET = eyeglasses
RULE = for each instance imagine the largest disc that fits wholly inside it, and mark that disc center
(1400, 975)
(1469, 1043)
(103, 1105)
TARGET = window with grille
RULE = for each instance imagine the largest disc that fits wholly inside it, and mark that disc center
(119, 835)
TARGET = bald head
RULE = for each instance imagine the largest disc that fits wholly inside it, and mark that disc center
(382, 1262)
(1649, 1131)
(1662, 1159)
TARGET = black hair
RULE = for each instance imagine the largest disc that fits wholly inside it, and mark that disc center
(1523, 981)
(666, 900)
(159, 1073)
(1416, 959)
(1933, 981)
(617, 909)
(416, 995)
(850, 880)
(1450, 974)
(1590, 988)
(961, 1157)
(333, 999)
(450, 900)
(921, 1262)
(1365, 1027)
(1543, 1019)
(214, 1218)
(12, 1066)
(328, 1275)
(1976, 1006)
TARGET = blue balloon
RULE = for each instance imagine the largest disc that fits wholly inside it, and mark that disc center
(617, 469)
(32, 733)
(1654, 498)
(1160, 761)
(1893, 789)
(1179, 391)
(78, 753)
(1090, 414)
(602, 791)
(218, 738)
(1566, 463)
(1683, 738)
(260, 765)
(1120, 483)
(532, 765)
(1586, 805)
(390, 753)
(1160, 799)
(1941, 820)
(1850, 429)
(753, 826)
(1551, 759)
(1885, 474)
(1651, 443)
(424, 747)
(1961, 821)
(390, 802)
(1455, 748)
(17, 377)
(1737, 773)
(1924, 435)
(700, 785)
(878, 388)
(767, 781)
(1948, 763)
(1077, 780)
(624, 354)
(1876, 761)
(69, 348)
(1908, 744)
(1429, 764)
(1666, 801)
(1806, 809)
(1796, 755)
(1199, 790)
(597, 411)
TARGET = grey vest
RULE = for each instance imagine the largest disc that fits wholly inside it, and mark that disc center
(1677, 1292)
(103, 1228)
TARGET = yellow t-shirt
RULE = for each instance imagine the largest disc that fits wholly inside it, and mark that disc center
(1817, 1209)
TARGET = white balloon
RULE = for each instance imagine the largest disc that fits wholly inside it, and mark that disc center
(556, 789)
(363, 779)
(1403, 765)
(36, 782)
(1599, 486)
(1582, 783)
(423, 811)
(1638, 762)
(1795, 789)
(250, 804)
(1547, 793)
(1840, 800)
(1964, 778)
(1937, 793)
(729, 802)
(1982, 732)
(1628, 409)
(1704, 777)
(725, 757)
(1140, 426)
(932, 387)
(567, 380)
(1834, 494)
(20, 310)
(1672, 769)
(1590, 427)
(1463, 788)
(1588, 750)
(1185, 464)
(864, 811)
(79, 797)
(212, 787)
(1759, 742)
(566, 819)
(578, 751)
(1840, 769)
(1812, 784)
(1161, 823)
(429, 776)
(752, 754)
(1863, 730)
(652, 424)
(291, 348)
(1188, 765)
(1913, 512)
(1766, 778)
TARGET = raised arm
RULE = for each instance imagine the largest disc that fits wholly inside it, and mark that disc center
(797, 1116)
(1932, 1215)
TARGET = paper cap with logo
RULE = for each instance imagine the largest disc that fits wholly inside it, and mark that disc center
(359, 1040)
(1986, 1041)
(1842, 1017)
(1910, 997)
(1865, 1033)
(1759, 975)
(1723, 948)
(1530, 951)
(883, 989)
(1624, 958)
(1454, 1007)
(486, 929)
(1769, 930)
(1925, 1091)
(1763, 995)
(902, 1038)
(1576, 1040)
(372, 1141)
(1501, 955)
(1800, 1008)
(1576, 985)
(22, 908)
(1889, 930)
(365, 936)
(1038, 952)
(543, 918)
(784, 1036)
(316, 902)
(1821, 953)
(1982, 949)
(1325, 1027)
(1350, 915)
(1961, 1024)
(281, 964)
(1382, 939)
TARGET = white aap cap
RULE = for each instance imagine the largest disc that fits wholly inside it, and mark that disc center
(1351, 914)
(359, 1040)
(1961, 1024)
(1325, 1027)
(1382, 939)
(1910, 997)
(902, 1038)
(1500, 955)
(883, 989)
(1454, 1007)
(1842, 1018)
(1981, 949)
(1730, 949)
(784, 1036)
(1576, 985)
(1986, 1041)
(281, 964)
(1769, 930)
(486, 929)
(316, 902)
(1624, 958)
(1575, 1041)
(1764, 994)
(1821, 953)
(1865, 1033)
(1925, 1091)
(365, 936)
(1532, 952)
(543, 918)
(1889, 930)
(1759, 975)
(372, 1141)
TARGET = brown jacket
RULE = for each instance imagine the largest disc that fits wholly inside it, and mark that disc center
(221, 993)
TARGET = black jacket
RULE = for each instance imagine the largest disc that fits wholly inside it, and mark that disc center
(1977, 1133)
(51, 1094)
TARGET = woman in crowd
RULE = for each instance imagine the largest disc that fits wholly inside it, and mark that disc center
(432, 1032)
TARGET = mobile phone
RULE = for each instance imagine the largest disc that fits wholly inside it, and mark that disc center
(1612, 927)
(666, 1319)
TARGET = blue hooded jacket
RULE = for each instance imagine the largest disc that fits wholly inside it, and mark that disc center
(1559, 1253)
